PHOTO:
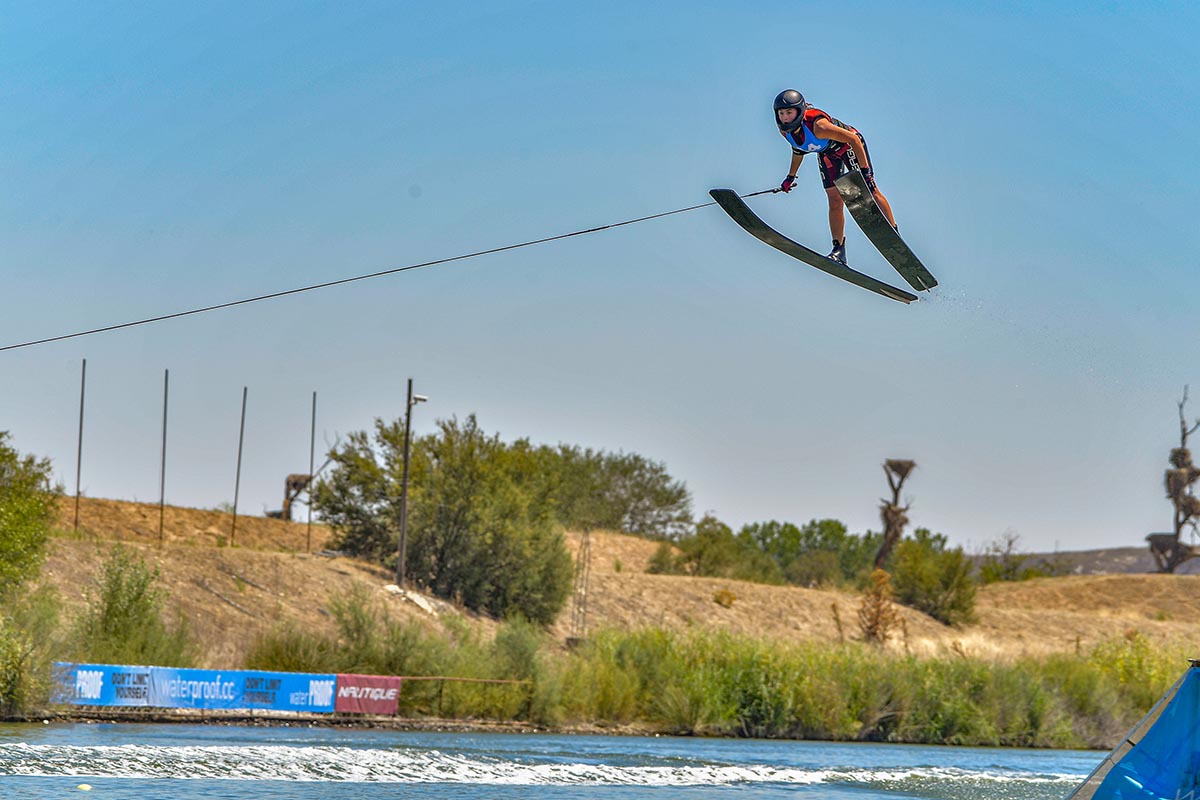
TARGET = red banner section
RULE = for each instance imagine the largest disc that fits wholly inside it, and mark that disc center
(367, 694)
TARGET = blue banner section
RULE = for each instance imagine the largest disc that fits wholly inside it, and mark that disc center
(102, 684)
(168, 687)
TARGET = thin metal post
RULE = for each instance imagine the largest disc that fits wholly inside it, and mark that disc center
(162, 480)
(400, 566)
(237, 481)
(312, 452)
(79, 450)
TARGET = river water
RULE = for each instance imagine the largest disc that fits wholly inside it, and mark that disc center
(182, 762)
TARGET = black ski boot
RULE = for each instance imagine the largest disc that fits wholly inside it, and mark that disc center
(839, 251)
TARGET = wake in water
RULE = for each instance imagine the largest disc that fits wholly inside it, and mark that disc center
(410, 765)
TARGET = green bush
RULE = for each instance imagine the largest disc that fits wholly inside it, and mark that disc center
(931, 578)
(664, 561)
(123, 622)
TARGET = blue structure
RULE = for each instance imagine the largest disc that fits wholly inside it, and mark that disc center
(1160, 759)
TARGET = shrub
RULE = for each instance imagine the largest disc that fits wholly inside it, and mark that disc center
(877, 615)
(664, 561)
(724, 598)
(931, 578)
(123, 622)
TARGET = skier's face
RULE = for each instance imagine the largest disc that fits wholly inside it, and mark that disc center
(787, 115)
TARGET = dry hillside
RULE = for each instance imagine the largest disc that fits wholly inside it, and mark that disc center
(230, 593)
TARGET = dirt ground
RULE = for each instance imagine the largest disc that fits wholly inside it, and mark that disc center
(231, 587)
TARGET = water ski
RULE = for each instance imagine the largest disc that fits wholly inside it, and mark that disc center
(736, 208)
(866, 212)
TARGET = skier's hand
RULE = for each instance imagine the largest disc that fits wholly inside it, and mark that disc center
(788, 183)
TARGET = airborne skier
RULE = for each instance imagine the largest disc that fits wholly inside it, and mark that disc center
(839, 147)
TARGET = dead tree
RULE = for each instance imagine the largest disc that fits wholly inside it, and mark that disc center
(894, 515)
(1168, 549)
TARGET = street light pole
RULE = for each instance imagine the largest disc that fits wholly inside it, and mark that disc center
(413, 399)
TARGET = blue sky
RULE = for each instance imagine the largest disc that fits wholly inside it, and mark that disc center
(1039, 156)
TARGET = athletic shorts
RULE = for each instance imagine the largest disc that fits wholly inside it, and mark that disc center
(834, 165)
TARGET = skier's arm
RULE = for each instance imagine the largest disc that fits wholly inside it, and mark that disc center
(797, 157)
(825, 129)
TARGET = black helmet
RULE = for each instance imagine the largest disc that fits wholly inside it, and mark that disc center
(790, 98)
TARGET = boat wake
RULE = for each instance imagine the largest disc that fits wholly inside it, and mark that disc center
(411, 765)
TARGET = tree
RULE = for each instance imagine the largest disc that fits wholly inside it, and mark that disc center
(933, 578)
(821, 552)
(482, 529)
(1002, 562)
(1168, 549)
(619, 491)
(894, 516)
(28, 502)
(360, 496)
(714, 551)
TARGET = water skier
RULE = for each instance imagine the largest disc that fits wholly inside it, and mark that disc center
(839, 148)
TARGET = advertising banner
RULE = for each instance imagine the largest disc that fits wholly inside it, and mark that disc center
(195, 688)
(288, 691)
(168, 687)
(102, 684)
(241, 689)
(367, 694)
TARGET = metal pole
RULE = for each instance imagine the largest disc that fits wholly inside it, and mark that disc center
(162, 479)
(312, 449)
(404, 492)
(79, 450)
(237, 481)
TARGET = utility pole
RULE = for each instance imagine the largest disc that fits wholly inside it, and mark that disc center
(312, 478)
(79, 450)
(237, 481)
(413, 399)
(162, 475)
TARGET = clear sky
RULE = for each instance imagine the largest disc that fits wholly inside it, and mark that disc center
(1040, 156)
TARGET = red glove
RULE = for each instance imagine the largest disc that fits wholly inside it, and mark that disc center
(788, 183)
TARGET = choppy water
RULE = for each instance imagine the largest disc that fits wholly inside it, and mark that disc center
(182, 762)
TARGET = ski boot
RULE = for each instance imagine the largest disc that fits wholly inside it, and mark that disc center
(838, 253)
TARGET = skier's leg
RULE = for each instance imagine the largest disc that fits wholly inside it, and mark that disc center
(837, 215)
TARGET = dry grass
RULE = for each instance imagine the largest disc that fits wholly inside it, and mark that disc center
(230, 594)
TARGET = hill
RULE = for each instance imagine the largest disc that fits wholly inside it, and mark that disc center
(273, 571)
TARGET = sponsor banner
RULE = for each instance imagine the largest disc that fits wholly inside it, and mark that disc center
(367, 694)
(168, 687)
(101, 684)
(195, 688)
(241, 689)
(288, 691)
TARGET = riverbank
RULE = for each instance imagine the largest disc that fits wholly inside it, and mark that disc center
(1062, 662)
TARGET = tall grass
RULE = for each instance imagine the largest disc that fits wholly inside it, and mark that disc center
(28, 637)
(715, 683)
(368, 641)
